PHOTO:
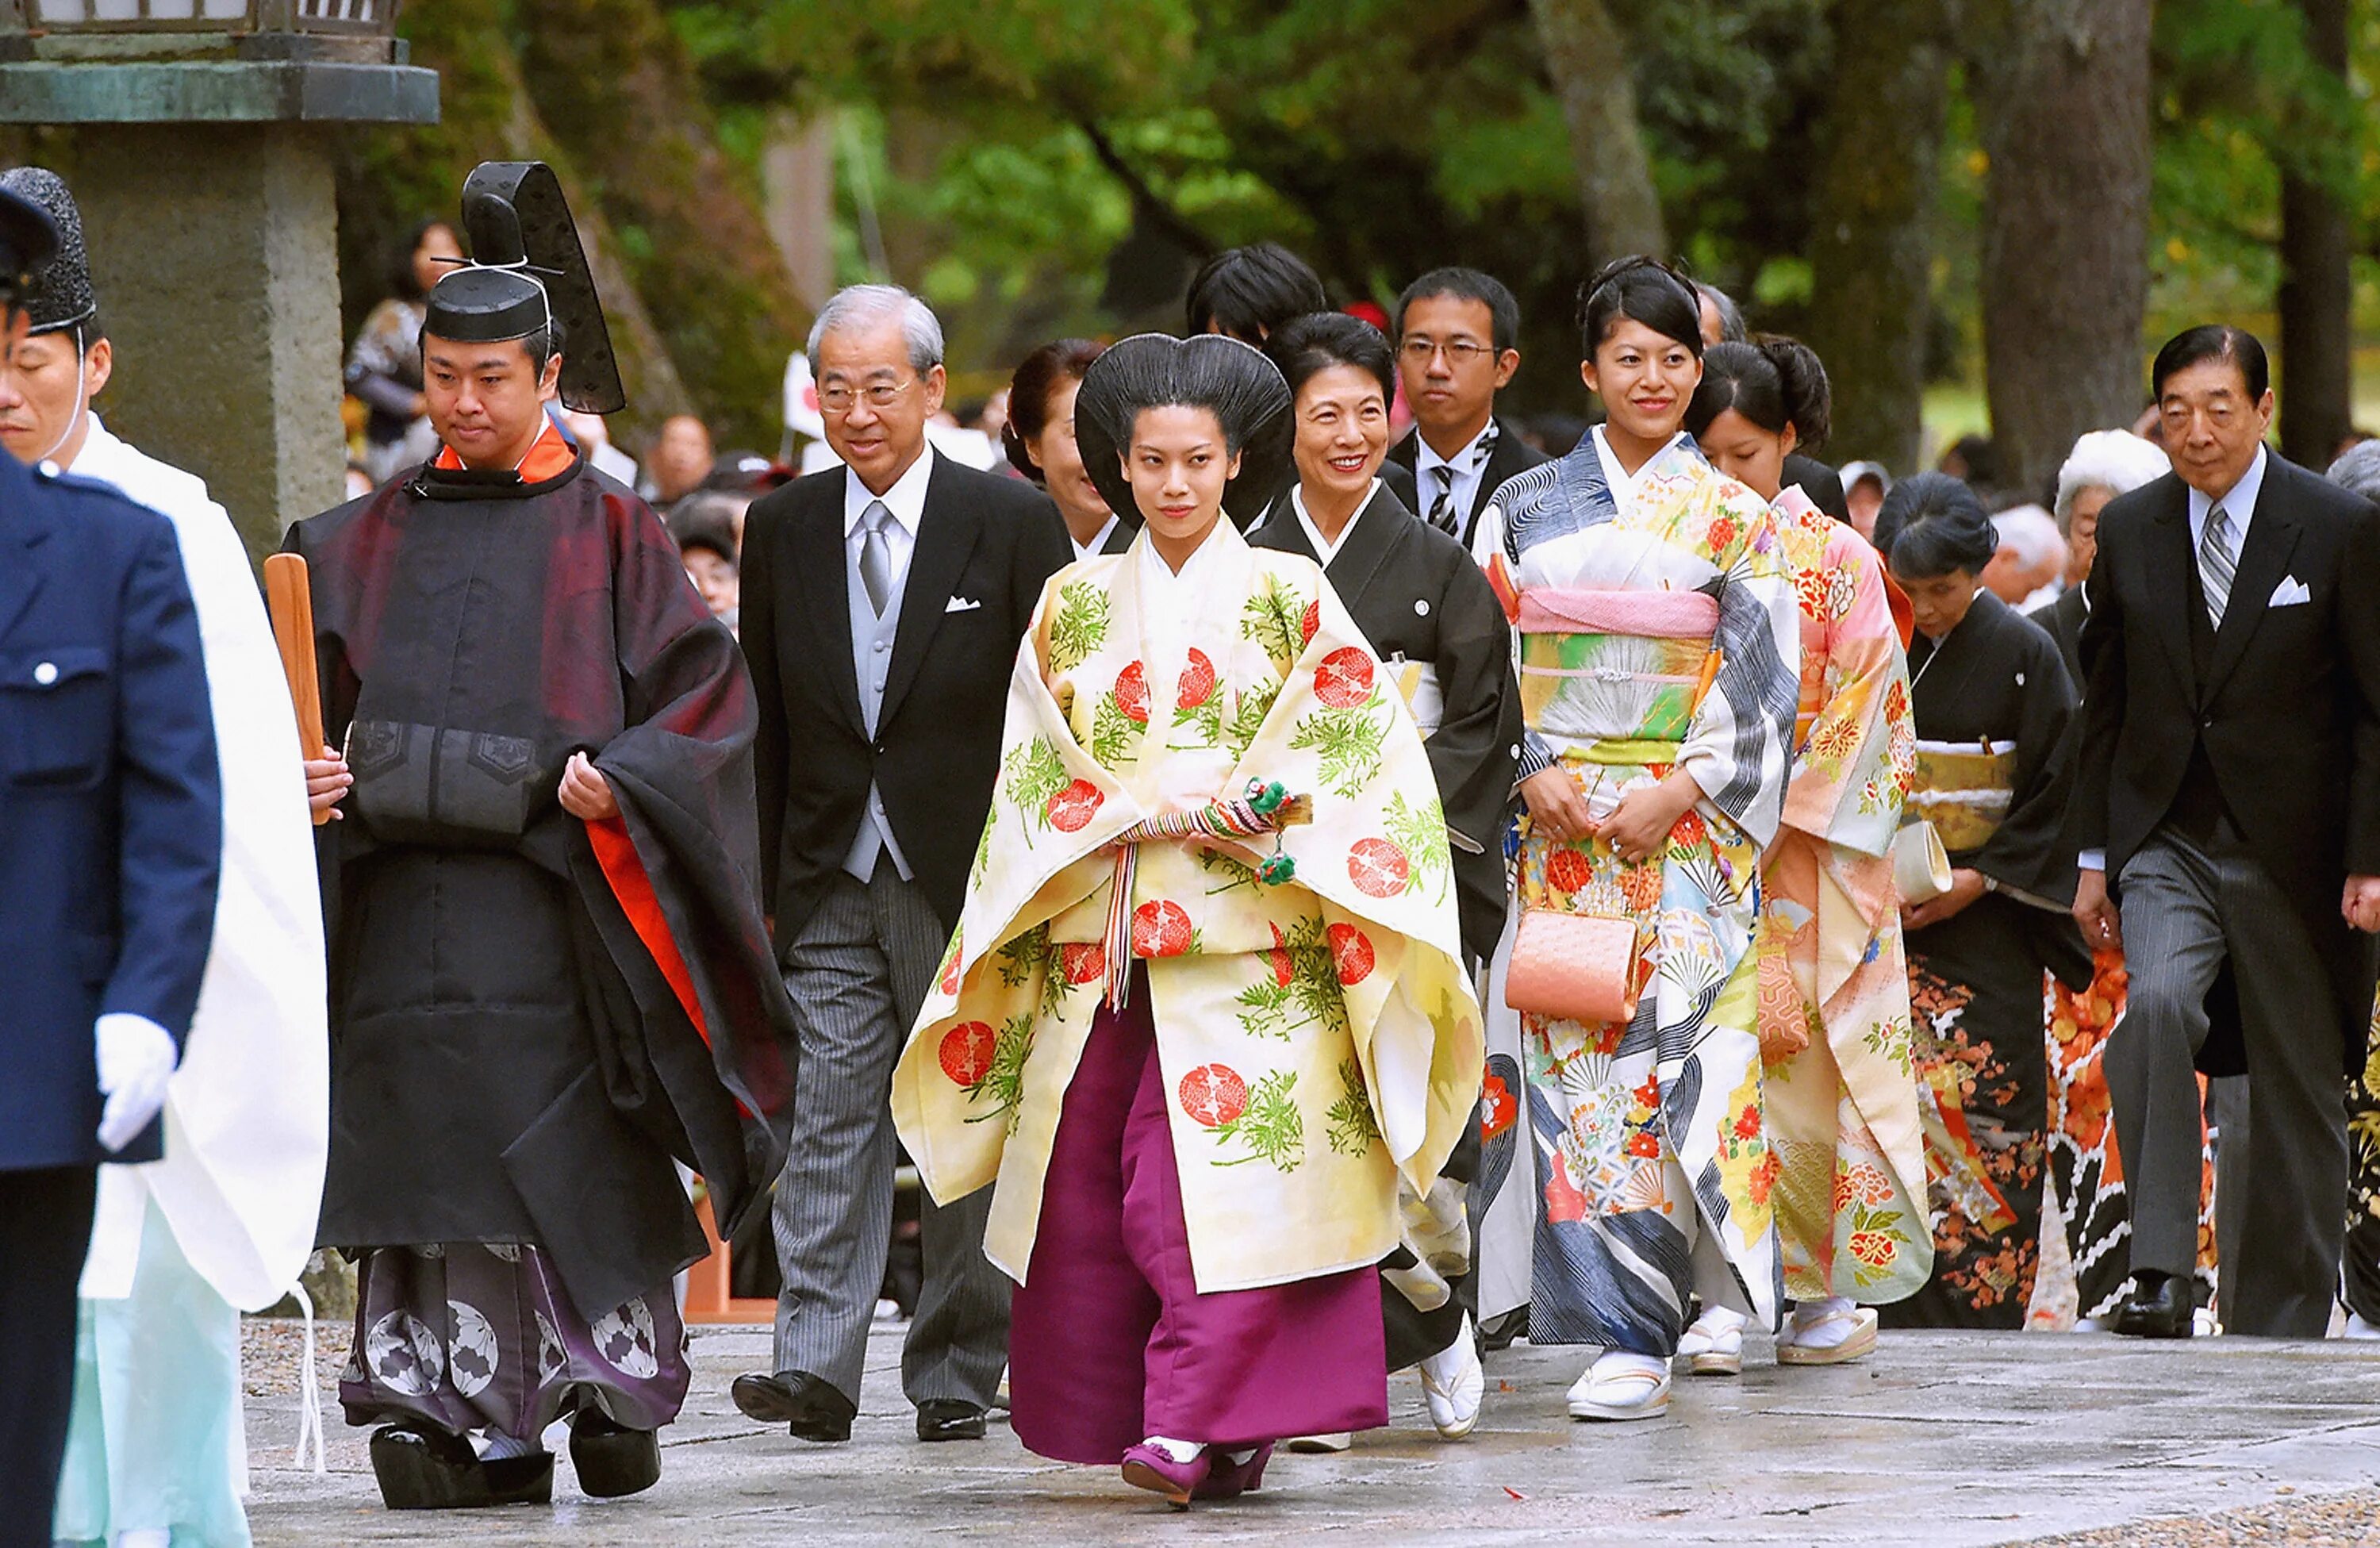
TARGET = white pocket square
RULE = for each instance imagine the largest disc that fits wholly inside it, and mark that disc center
(2289, 593)
(961, 605)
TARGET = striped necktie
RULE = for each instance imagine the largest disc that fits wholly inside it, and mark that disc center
(1441, 509)
(2217, 562)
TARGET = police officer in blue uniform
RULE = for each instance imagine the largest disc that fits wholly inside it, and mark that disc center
(110, 840)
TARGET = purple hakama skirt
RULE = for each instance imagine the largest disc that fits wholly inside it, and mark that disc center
(1110, 1341)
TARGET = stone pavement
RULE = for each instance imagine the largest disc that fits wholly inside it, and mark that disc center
(1943, 1438)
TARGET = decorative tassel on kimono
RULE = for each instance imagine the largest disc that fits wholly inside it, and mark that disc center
(1265, 808)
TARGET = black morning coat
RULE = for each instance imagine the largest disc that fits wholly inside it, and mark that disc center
(1511, 455)
(2282, 702)
(985, 546)
(1415, 594)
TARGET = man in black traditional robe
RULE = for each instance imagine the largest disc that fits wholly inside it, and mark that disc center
(550, 974)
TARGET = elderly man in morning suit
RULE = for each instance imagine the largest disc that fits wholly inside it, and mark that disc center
(882, 603)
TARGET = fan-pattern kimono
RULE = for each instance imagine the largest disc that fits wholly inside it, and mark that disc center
(1318, 1035)
(1843, 1112)
(1656, 631)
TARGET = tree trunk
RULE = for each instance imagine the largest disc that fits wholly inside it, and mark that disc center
(612, 82)
(1587, 55)
(2062, 110)
(2316, 299)
(1878, 159)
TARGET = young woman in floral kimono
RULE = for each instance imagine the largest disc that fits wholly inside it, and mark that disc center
(1205, 1002)
(1992, 702)
(1659, 646)
(1834, 991)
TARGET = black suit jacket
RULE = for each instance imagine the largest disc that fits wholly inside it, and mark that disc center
(986, 540)
(2063, 618)
(1511, 455)
(2288, 709)
(1819, 483)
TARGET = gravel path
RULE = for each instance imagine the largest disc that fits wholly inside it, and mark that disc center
(2349, 1519)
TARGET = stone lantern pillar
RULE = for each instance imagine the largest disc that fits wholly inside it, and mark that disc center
(202, 162)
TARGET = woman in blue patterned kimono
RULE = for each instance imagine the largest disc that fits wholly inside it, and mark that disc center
(1659, 655)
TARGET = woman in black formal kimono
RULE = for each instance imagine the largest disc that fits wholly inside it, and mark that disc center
(1991, 698)
(1431, 616)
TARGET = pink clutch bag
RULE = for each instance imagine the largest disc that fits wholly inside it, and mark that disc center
(1572, 967)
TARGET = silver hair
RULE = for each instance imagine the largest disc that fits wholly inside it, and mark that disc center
(2357, 469)
(2115, 460)
(2032, 532)
(1730, 316)
(855, 305)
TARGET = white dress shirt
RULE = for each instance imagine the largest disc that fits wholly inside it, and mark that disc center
(1324, 549)
(1468, 467)
(906, 500)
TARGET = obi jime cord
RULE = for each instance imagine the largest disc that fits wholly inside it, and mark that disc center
(1264, 807)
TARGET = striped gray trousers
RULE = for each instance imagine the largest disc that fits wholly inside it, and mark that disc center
(857, 973)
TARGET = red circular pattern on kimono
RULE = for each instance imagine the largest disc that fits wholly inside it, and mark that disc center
(1377, 868)
(1071, 809)
(966, 1052)
(951, 965)
(1197, 680)
(1351, 953)
(1214, 1095)
(1083, 961)
(1312, 621)
(1566, 870)
(1345, 678)
(1497, 1107)
(1284, 965)
(1160, 929)
(1132, 693)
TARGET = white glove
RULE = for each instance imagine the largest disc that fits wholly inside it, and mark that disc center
(136, 1059)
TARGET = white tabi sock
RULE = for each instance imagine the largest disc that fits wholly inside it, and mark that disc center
(501, 1446)
(1183, 1452)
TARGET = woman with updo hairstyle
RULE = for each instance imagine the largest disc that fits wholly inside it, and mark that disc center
(1205, 1005)
(1039, 441)
(1430, 616)
(1991, 698)
(1657, 646)
(1834, 990)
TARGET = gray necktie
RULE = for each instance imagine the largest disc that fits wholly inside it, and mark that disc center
(2217, 564)
(1441, 510)
(875, 556)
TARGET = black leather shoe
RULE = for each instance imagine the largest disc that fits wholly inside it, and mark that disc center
(949, 1419)
(812, 1408)
(613, 1459)
(2158, 1307)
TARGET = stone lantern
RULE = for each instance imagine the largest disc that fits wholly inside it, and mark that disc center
(202, 161)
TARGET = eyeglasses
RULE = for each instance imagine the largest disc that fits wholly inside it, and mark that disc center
(881, 395)
(1459, 351)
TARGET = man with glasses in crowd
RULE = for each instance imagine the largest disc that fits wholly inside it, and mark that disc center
(1457, 336)
(882, 603)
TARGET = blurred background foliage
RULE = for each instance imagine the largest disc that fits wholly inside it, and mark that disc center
(1040, 167)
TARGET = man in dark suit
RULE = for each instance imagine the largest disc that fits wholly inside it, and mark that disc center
(882, 605)
(2227, 795)
(111, 842)
(1457, 347)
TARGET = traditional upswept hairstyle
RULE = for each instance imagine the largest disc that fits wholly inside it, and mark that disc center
(2115, 460)
(1229, 379)
(1468, 284)
(1933, 524)
(1308, 346)
(1643, 290)
(1247, 292)
(1773, 383)
(1038, 377)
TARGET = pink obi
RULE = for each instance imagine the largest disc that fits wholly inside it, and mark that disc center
(1648, 614)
